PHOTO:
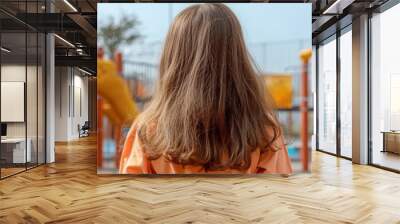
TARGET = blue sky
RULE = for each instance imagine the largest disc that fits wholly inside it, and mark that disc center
(263, 25)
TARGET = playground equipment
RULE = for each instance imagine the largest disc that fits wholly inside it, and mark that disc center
(305, 56)
(114, 101)
(280, 87)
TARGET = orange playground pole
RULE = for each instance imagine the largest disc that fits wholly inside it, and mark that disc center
(100, 54)
(305, 56)
(99, 132)
(117, 128)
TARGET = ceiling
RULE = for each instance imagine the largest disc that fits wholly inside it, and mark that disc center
(331, 15)
(75, 21)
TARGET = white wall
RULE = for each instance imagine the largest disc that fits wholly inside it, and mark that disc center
(33, 127)
(81, 94)
(61, 103)
(71, 94)
(12, 73)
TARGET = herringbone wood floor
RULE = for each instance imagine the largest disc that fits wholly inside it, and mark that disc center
(69, 191)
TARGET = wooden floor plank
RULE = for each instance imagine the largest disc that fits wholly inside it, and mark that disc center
(70, 191)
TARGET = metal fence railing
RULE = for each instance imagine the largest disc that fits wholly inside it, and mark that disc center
(141, 79)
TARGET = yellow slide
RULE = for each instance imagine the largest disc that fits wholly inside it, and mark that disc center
(118, 104)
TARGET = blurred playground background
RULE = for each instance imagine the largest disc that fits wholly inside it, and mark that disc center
(132, 36)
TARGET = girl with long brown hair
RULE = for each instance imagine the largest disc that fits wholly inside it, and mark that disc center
(209, 113)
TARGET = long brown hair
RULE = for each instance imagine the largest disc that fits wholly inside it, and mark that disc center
(209, 102)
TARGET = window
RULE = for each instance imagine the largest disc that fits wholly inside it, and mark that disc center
(327, 95)
(23, 89)
(346, 93)
(385, 89)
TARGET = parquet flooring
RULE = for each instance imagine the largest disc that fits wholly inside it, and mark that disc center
(69, 191)
(10, 171)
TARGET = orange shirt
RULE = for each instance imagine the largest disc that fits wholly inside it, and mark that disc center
(135, 161)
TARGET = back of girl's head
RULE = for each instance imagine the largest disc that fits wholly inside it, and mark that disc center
(209, 102)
